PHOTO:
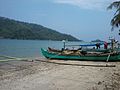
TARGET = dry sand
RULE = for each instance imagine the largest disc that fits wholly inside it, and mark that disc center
(27, 75)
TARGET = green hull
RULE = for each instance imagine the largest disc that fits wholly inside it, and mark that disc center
(50, 55)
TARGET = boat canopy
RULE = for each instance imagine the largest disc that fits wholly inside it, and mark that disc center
(86, 45)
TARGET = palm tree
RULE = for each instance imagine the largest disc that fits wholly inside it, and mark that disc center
(115, 22)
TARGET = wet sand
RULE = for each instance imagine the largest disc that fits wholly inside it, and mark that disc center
(37, 75)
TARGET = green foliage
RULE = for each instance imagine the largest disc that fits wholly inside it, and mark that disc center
(97, 40)
(21, 30)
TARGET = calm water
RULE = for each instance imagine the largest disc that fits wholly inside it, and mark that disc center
(28, 48)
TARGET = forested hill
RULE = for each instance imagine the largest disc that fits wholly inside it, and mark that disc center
(13, 29)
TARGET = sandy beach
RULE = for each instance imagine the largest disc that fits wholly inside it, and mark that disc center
(37, 75)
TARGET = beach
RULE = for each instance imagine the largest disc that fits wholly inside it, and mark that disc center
(37, 75)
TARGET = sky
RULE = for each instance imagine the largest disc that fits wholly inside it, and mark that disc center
(84, 19)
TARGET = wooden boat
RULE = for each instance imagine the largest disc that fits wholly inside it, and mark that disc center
(53, 50)
(113, 56)
(60, 51)
(85, 50)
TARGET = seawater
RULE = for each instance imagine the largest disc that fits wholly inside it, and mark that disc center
(29, 48)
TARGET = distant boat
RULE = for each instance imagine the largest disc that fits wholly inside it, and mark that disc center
(112, 56)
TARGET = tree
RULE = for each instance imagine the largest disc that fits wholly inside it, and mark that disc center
(115, 22)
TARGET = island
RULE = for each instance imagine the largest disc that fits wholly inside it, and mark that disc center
(13, 29)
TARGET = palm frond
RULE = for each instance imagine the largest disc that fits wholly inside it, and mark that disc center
(117, 11)
(115, 5)
(115, 22)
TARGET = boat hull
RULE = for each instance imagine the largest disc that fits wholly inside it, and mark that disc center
(50, 55)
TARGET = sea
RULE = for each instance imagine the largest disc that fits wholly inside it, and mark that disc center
(30, 48)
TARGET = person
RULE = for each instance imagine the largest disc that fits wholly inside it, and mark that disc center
(116, 43)
(113, 43)
(105, 45)
(98, 45)
(93, 47)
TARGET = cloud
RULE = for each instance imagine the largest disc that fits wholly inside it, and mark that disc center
(87, 4)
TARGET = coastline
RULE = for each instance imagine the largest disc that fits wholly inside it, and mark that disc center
(37, 75)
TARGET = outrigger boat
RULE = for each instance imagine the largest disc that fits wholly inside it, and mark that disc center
(110, 56)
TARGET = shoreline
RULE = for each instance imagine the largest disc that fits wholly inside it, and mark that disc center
(28, 75)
